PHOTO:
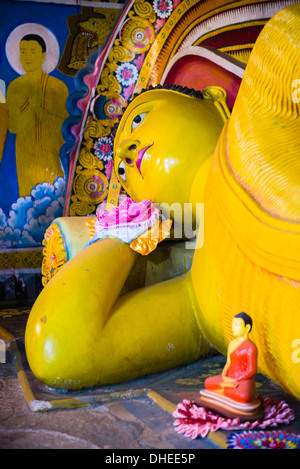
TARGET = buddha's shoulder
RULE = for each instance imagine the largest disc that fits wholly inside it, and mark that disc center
(17, 82)
(55, 82)
(250, 344)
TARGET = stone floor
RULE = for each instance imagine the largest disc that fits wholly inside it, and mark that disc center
(134, 423)
(133, 416)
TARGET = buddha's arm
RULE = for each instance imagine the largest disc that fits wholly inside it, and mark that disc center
(3, 126)
(226, 368)
(227, 382)
(94, 277)
(81, 333)
(18, 108)
(55, 98)
(228, 362)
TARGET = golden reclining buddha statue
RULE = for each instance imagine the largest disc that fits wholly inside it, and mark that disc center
(246, 171)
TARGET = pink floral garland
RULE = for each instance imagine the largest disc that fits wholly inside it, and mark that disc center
(194, 421)
(127, 221)
(128, 212)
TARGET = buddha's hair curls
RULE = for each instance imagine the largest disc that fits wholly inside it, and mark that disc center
(191, 92)
(246, 318)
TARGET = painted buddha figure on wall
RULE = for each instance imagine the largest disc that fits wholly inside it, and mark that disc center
(37, 109)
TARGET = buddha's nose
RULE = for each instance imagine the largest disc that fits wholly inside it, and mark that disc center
(127, 150)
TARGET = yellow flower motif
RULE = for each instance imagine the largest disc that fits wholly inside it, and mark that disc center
(54, 253)
(189, 381)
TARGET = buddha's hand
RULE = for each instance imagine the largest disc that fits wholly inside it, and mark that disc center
(228, 382)
(36, 98)
(137, 223)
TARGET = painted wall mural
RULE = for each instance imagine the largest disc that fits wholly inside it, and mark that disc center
(32, 181)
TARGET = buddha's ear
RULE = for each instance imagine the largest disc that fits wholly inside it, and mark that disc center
(219, 97)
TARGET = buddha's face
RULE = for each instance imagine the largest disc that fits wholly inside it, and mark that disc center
(162, 140)
(31, 55)
(239, 327)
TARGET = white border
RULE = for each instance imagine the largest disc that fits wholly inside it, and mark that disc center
(83, 3)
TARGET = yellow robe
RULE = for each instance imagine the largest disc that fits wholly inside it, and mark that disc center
(37, 111)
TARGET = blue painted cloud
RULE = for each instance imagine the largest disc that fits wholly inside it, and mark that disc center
(30, 216)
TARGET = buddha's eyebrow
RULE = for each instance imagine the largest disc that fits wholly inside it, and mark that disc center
(133, 111)
(135, 107)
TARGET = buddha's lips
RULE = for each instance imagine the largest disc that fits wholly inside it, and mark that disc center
(141, 156)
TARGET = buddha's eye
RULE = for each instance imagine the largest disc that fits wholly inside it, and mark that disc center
(138, 120)
(122, 171)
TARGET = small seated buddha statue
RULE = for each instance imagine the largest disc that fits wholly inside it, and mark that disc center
(233, 392)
